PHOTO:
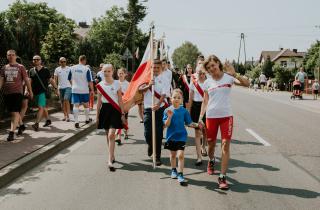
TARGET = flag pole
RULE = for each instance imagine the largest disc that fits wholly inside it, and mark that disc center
(154, 148)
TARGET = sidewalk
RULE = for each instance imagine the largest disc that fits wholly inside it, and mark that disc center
(32, 142)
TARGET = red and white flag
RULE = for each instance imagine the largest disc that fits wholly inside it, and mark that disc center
(143, 75)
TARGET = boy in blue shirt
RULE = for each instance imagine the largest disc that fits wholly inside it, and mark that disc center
(175, 117)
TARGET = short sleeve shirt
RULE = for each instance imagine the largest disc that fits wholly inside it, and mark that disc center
(80, 77)
(124, 86)
(14, 76)
(62, 75)
(177, 131)
(219, 104)
(111, 90)
(159, 87)
(197, 96)
(44, 75)
(301, 76)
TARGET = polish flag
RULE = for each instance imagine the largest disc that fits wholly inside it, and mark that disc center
(143, 75)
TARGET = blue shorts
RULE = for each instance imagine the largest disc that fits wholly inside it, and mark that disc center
(78, 98)
(41, 100)
(65, 94)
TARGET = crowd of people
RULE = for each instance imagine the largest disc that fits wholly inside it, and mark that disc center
(199, 99)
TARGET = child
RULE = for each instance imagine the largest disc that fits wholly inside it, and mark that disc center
(110, 115)
(174, 118)
(315, 89)
(124, 86)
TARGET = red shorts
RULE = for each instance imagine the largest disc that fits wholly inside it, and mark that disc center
(226, 127)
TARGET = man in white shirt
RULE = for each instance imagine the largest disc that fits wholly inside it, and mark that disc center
(167, 74)
(100, 74)
(81, 78)
(61, 74)
(263, 81)
(301, 76)
(159, 86)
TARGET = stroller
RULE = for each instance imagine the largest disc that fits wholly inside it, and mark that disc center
(297, 93)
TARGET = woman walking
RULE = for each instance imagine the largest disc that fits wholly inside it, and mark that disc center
(216, 105)
(195, 102)
(110, 114)
(186, 81)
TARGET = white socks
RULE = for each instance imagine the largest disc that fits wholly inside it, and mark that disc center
(76, 114)
(86, 112)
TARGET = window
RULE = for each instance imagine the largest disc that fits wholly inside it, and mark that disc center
(284, 64)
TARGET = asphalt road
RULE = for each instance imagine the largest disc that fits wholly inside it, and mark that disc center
(274, 165)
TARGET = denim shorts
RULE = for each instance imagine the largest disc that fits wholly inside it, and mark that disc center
(65, 94)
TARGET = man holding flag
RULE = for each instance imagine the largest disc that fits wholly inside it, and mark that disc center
(159, 106)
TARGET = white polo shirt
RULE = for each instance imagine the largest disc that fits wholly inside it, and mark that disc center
(62, 75)
(159, 87)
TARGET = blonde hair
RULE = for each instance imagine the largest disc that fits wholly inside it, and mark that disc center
(177, 90)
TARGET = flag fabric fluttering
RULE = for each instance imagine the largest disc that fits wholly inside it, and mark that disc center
(143, 75)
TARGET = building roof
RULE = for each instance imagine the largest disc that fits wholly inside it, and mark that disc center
(81, 32)
(275, 55)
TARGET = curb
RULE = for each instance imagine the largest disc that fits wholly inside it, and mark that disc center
(21, 166)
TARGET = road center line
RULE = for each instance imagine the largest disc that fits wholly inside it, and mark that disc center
(259, 138)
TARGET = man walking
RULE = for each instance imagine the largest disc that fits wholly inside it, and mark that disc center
(61, 78)
(12, 77)
(40, 78)
(301, 76)
(81, 79)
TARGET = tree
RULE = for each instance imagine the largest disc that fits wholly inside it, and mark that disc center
(283, 76)
(29, 23)
(58, 42)
(255, 72)
(312, 59)
(267, 67)
(85, 47)
(187, 53)
(114, 59)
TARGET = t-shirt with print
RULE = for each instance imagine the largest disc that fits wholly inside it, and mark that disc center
(219, 104)
(159, 87)
(197, 96)
(177, 131)
(44, 75)
(111, 90)
(62, 75)
(124, 85)
(80, 76)
(14, 75)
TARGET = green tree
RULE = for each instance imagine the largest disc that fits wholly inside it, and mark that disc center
(85, 47)
(187, 53)
(58, 42)
(312, 59)
(283, 76)
(267, 68)
(114, 59)
(29, 23)
(254, 72)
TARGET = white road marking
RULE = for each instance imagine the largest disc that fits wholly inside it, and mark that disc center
(259, 138)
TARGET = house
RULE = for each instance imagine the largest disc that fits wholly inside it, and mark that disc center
(82, 30)
(284, 57)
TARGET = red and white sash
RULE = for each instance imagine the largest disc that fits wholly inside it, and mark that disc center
(196, 84)
(111, 101)
(185, 82)
(158, 96)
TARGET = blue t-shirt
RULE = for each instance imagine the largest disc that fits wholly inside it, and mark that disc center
(177, 131)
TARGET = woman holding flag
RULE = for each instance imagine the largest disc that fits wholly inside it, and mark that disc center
(195, 102)
(110, 112)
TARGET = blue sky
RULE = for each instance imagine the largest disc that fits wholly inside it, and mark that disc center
(215, 26)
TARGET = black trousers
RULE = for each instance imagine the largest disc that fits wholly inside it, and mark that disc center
(159, 129)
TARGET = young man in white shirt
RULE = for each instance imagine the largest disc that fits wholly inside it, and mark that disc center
(159, 86)
(81, 79)
(167, 74)
(61, 74)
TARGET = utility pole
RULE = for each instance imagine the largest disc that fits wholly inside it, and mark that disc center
(242, 40)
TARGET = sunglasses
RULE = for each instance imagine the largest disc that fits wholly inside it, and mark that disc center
(36, 59)
(63, 61)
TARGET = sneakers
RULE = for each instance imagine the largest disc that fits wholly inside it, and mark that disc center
(181, 178)
(48, 122)
(35, 127)
(118, 141)
(10, 136)
(21, 129)
(210, 167)
(77, 125)
(174, 174)
(88, 121)
(222, 181)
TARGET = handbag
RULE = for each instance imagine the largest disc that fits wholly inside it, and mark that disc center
(47, 89)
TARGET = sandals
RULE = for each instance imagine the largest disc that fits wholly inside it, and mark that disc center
(204, 152)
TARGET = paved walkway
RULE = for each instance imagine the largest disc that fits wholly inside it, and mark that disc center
(31, 141)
